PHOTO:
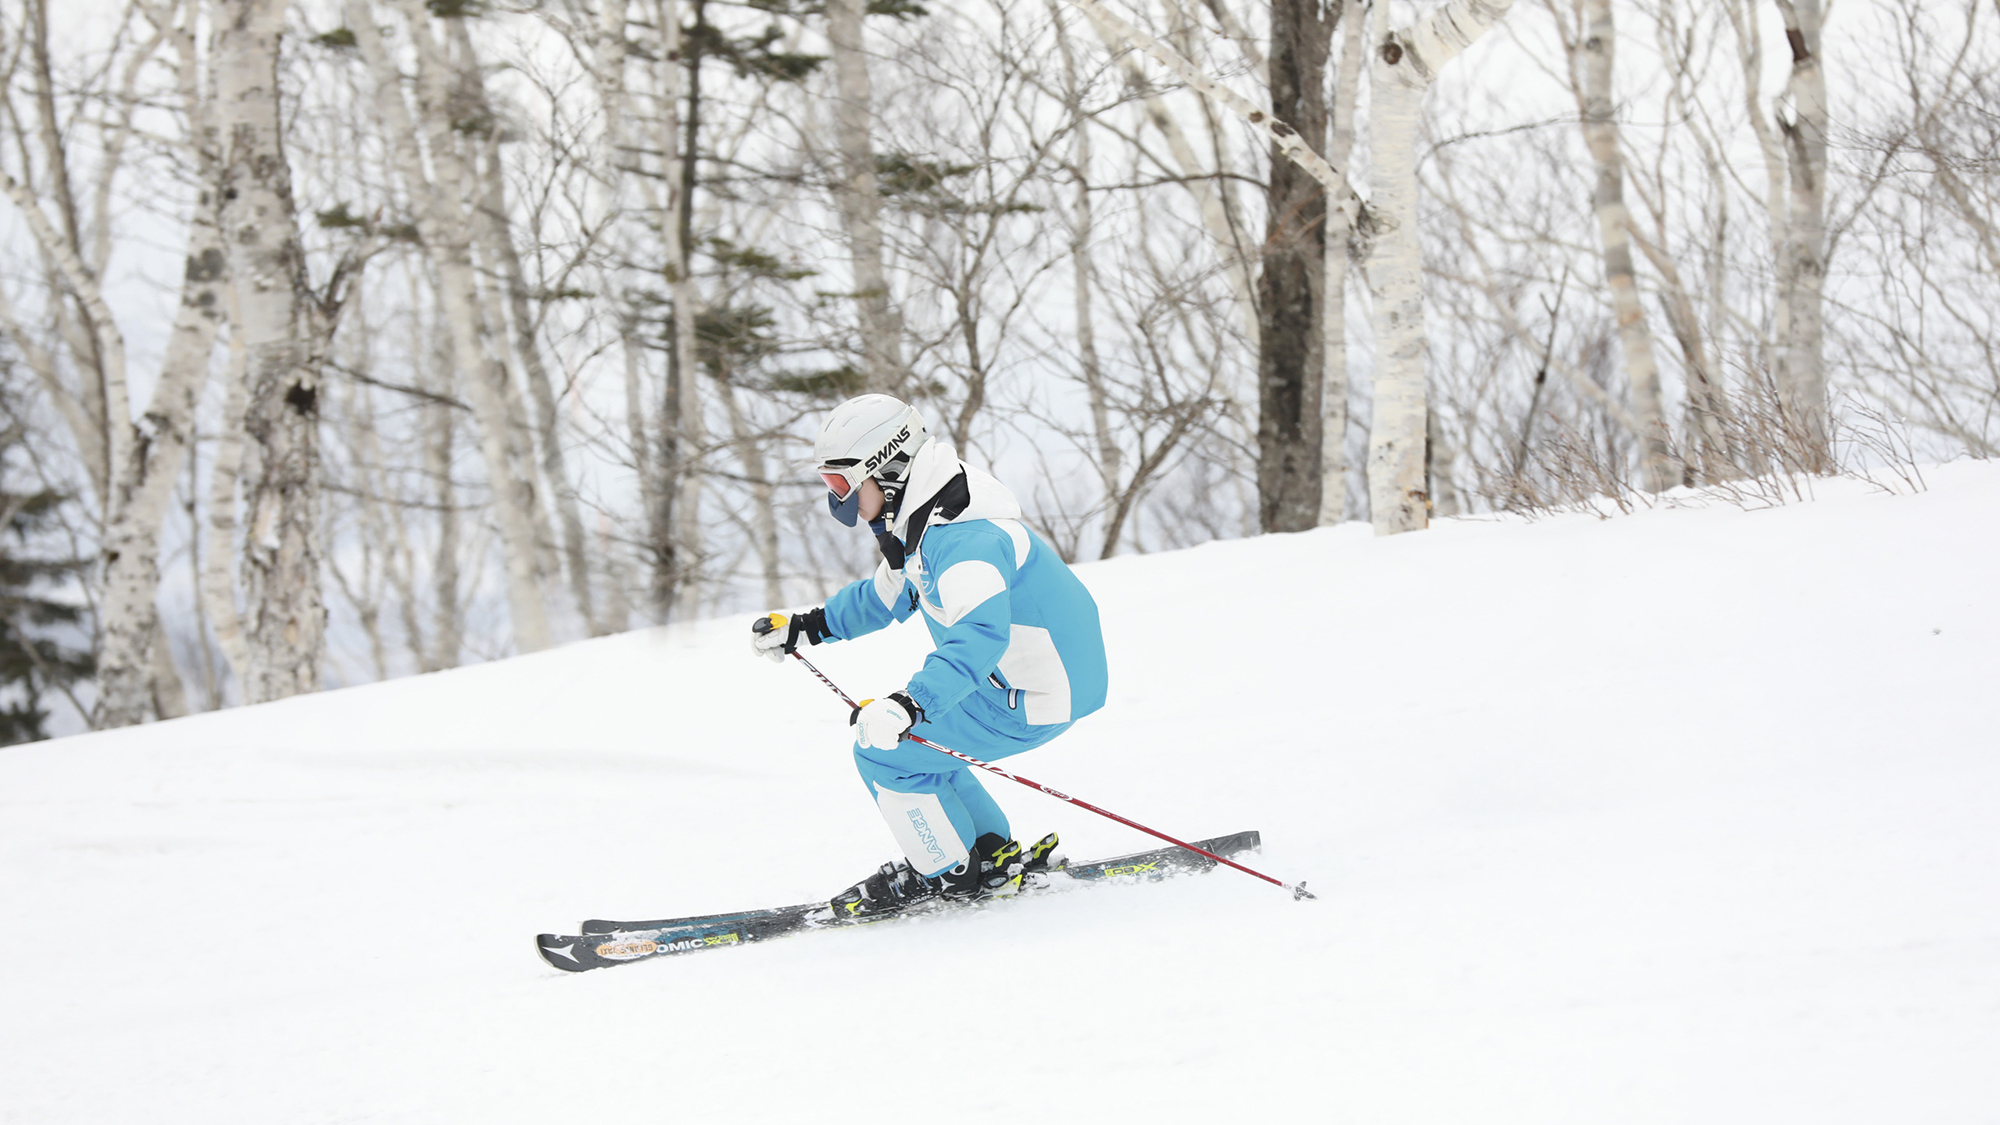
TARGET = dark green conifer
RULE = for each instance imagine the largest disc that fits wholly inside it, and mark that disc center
(35, 615)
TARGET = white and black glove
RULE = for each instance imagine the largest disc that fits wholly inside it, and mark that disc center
(882, 723)
(777, 636)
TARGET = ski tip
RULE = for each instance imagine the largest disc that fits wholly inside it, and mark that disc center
(560, 952)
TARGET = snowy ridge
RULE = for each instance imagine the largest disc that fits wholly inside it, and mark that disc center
(1680, 816)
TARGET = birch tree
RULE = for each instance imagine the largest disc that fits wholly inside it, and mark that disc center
(1110, 458)
(1339, 233)
(1802, 266)
(1406, 61)
(861, 200)
(497, 242)
(215, 586)
(1592, 48)
(285, 617)
(1339, 210)
(140, 458)
(441, 197)
(143, 483)
(1708, 415)
(130, 676)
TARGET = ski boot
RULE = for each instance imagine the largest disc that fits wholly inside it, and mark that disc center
(993, 870)
(891, 890)
(996, 868)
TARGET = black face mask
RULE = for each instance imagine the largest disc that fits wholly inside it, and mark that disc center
(892, 547)
(950, 500)
(892, 497)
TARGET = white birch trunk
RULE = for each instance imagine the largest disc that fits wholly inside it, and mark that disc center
(1397, 497)
(1707, 425)
(1405, 62)
(442, 202)
(218, 587)
(1803, 391)
(1438, 458)
(615, 151)
(286, 623)
(134, 671)
(555, 468)
(1750, 58)
(507, 364)
(1658, 471)
(441, 430)
(1339, 230)
(143, 484)
(169, 693)
(1110, 467)
(860, 201)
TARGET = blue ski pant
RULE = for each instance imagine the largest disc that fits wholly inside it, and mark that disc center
(934, 804)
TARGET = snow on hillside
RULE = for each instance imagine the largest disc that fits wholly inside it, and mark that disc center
(1682, 816)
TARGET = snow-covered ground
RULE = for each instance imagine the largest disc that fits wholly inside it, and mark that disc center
(1691, 815)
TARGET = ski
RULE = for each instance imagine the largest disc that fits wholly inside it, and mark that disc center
(605, 942)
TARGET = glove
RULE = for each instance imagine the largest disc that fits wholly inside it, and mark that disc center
(777, 636)
(882, 723)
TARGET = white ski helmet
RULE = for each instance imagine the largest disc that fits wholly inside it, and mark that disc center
(869, 436)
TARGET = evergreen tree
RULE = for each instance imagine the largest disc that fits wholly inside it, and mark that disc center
(32, 660)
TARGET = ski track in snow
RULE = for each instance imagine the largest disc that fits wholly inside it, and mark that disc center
(1683, 816)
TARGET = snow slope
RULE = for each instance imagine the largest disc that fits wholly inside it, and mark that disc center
(1683, 816)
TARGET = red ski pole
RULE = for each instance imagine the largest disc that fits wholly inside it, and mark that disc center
(1298, 891)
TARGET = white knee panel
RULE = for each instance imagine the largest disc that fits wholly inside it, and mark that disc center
(922, 830)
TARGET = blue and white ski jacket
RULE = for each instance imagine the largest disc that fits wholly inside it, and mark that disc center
(1017, 634)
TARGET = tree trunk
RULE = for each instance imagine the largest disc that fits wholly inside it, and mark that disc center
(218, 589)
(683, 435)
(1803, 267)
(1438, 457)
(441, 428)
(1658, 471)
(615, 151)
(1339, 232)
(499, 247)
(1398, 499)
(286, 624)
(1405, 63)
(1750, 57)
(143, 483)
(1110, 459)
(860, 201)
(1291, 287)
(444, 223)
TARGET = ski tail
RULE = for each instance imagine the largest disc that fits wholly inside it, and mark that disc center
(575, 953)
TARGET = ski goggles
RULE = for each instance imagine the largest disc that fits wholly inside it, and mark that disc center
(842, 479)
(843, 491)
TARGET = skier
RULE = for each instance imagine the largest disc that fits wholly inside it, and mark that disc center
(1019, 656)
